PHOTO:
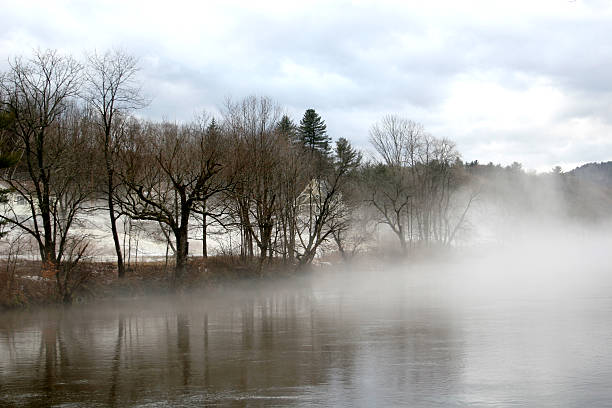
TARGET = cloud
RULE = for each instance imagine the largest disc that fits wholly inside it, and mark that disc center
(522, 80)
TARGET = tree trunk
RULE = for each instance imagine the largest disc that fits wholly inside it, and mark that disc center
(402, 239)
(341, 249)
(204, 227)
(291, 245)
(204, 243)
(284, 238)
(49, 242)
(182, 241)
(182, 250)
(67, 298)
(113, 221)
(306, 260)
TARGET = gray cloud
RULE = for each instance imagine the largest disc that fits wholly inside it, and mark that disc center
(354, 63)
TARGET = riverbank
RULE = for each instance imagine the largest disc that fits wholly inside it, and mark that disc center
(23, 283)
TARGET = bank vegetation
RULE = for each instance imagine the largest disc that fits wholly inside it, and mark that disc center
(72, 143)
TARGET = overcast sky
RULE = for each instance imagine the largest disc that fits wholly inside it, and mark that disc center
(527, 81)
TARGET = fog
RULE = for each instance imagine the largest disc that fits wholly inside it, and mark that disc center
(520, 321)
(252, 256)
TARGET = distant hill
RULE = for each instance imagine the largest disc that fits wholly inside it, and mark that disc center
(588, 190)
(596, 173)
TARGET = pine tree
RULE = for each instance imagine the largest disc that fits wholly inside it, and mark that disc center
(213, 128)
(347, 158)
(287, 129)
(313, 134)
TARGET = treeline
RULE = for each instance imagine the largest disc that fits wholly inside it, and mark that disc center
(582, 195)
(71, 144)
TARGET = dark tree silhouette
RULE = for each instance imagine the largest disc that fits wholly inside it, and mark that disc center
(312, 133)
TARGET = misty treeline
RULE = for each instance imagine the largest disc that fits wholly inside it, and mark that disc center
(71, 144)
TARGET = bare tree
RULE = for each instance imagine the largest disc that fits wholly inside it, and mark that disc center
(252, 123)
(112, 93)
(8, 158)
(54, 144)
(414, 183)
(391, 180)
(322, 210)
(167, 170)
(294, 177)
(212, 211)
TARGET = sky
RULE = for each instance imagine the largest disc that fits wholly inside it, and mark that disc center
(526, 81)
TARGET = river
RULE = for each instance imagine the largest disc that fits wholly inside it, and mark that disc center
(423, 338)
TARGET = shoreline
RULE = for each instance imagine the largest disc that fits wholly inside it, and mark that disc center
(27, 286)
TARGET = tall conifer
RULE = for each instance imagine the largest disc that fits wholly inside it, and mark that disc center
(287, 128)
(312, 133)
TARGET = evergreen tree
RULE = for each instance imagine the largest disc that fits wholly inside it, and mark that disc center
(213, 128)
(313, 134)
(287, 129)
(347, 158)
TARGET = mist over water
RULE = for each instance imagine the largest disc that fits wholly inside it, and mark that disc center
(526, 323)
(358, 231)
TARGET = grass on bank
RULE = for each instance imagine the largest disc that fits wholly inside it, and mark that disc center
(25, 283)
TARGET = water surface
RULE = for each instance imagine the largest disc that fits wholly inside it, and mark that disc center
(404, 338)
